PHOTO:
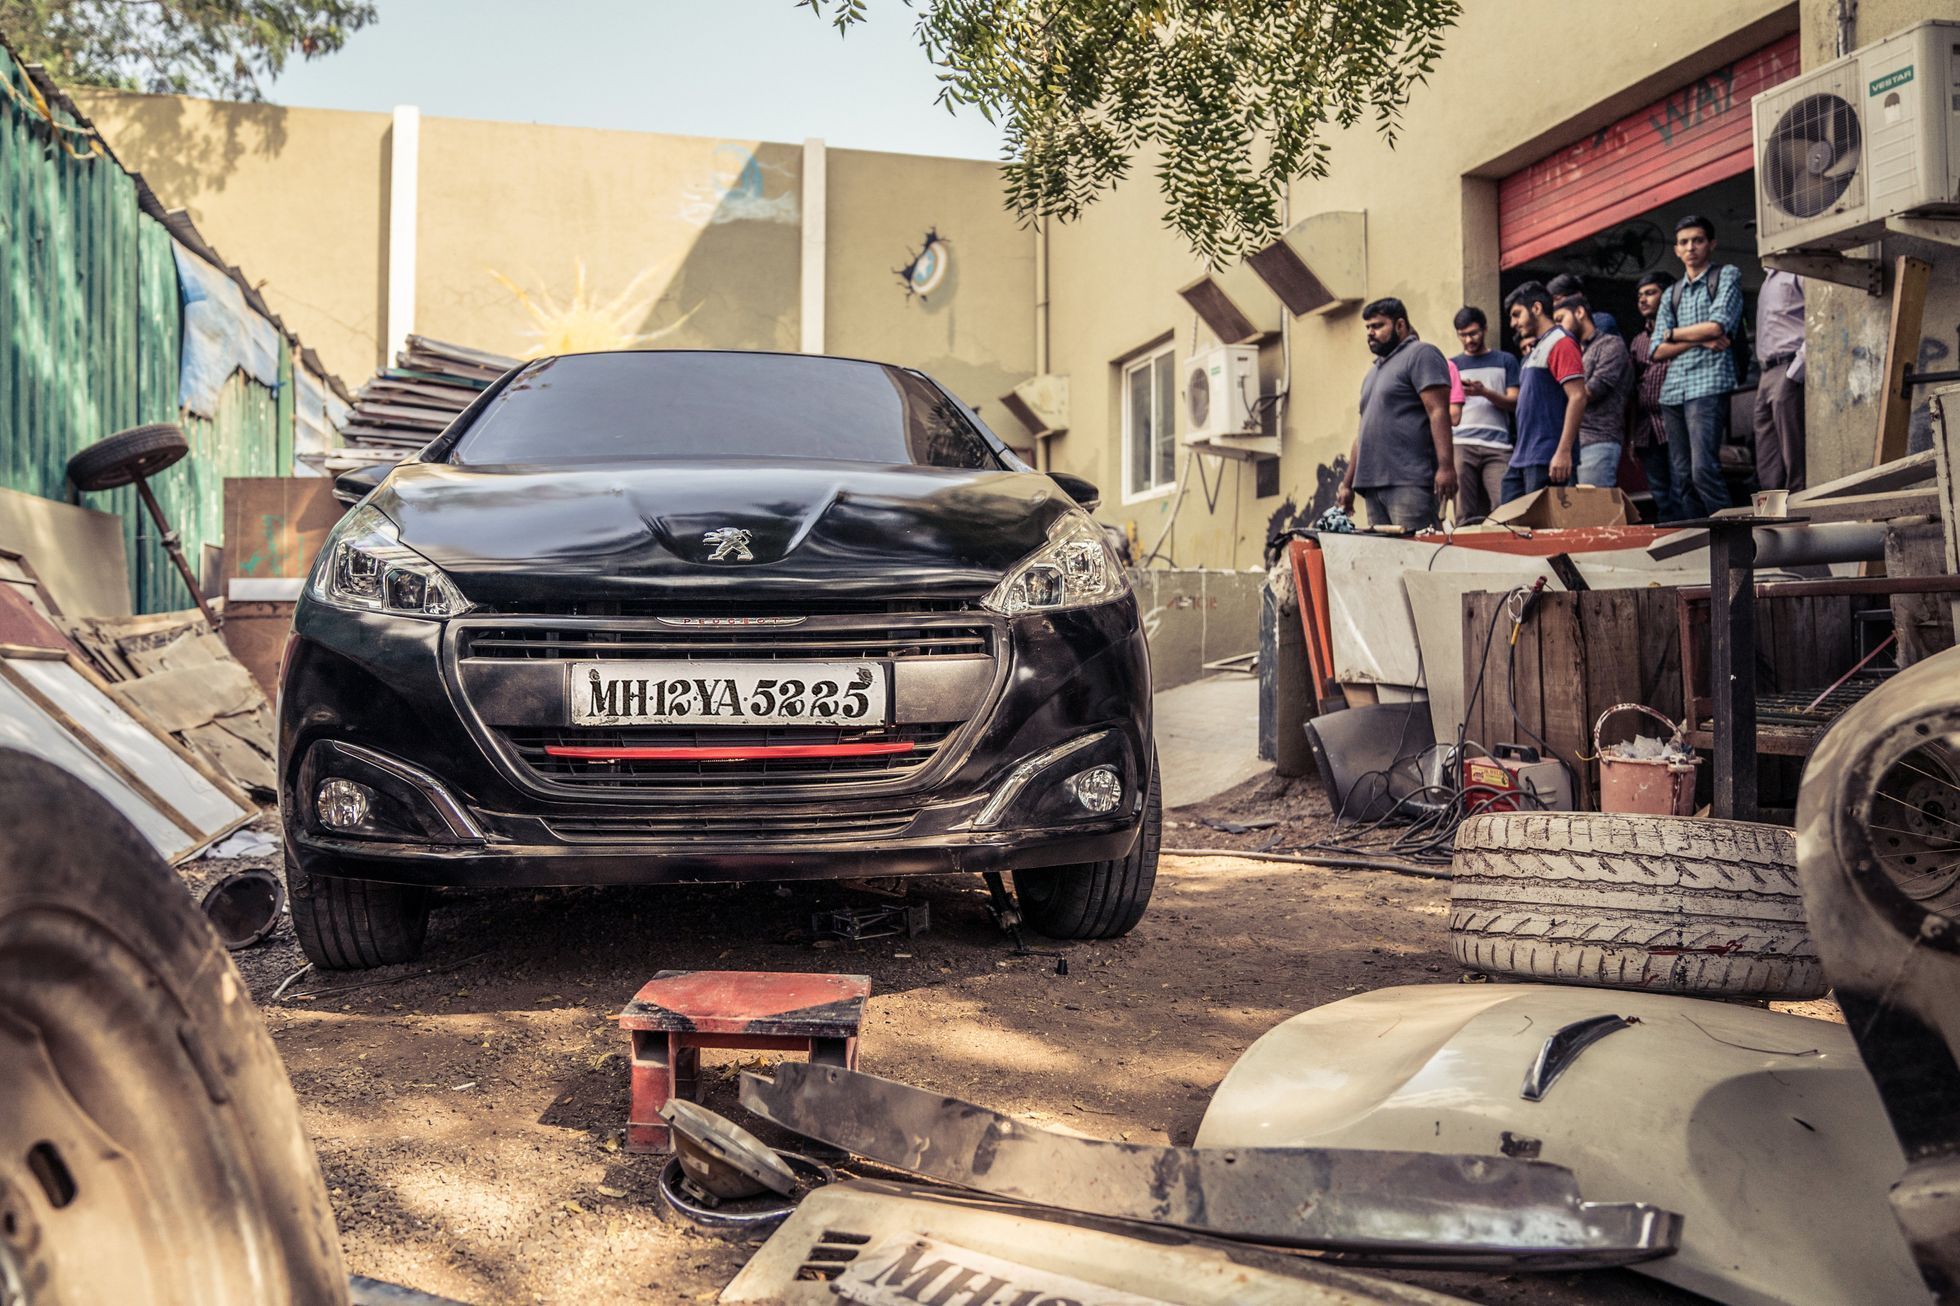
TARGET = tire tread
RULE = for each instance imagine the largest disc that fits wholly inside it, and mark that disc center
(1667, 904)
(349, 924)
(1098, 900)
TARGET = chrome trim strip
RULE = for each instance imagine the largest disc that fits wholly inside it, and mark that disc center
(1027, 771)
(454, 814)
(716, 623)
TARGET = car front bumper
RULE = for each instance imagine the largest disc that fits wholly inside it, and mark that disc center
(407, 709)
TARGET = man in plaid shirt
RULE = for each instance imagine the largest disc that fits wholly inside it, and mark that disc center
(1693, 333)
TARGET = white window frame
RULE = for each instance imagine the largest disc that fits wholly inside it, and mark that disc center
(1147, 360)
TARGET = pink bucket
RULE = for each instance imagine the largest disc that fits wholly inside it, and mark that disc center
(1644, 786)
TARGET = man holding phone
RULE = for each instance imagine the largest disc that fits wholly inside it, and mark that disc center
(1482, 433)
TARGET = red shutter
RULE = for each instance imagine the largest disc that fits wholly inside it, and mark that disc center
(1698, 135)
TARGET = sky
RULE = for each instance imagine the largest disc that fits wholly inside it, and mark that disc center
(742, 69)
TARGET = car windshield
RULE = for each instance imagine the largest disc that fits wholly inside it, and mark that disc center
(630, 407)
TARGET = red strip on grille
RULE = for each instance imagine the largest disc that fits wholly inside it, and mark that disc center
(710, 753)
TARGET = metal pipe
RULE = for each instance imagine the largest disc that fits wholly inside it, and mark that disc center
(175, 548)
(1041, 296)
(1797, 546)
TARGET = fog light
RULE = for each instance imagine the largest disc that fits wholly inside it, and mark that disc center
(1098, 789)
(342, 804)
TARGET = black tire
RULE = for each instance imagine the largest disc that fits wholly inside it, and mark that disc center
(126, 455)
(346, 924)
(1663, 904)
(1096, 900)
(150, 1146)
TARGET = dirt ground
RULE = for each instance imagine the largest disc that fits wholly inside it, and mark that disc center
(467, 1110)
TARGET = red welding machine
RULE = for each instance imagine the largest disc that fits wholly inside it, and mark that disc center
(1515, 769)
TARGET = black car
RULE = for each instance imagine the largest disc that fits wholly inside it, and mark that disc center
(684, 616)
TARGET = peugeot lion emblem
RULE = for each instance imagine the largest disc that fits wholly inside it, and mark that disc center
(729, 542)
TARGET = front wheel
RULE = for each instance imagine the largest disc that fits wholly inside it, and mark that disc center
(346, 924)
(1096, 900)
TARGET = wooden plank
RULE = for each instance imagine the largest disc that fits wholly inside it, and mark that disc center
(1492, 705)
(1946, 463)
(223, 783)
(1658, 633)
(1909, 280)
(1922, 502)
(1924, 621)
(77, 553)
(1908, 473)
(1562, 647)
(1527, 678)
(1610, 622)
(101, 754)
(274, 525)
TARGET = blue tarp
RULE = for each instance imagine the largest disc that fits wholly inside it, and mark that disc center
(221, 335)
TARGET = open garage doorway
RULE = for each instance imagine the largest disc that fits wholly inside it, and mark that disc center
(1612, 261)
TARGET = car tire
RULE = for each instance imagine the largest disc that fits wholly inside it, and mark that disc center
(1663, 904)
(151, 1147)
(1096, 900)
(128, 455)
(350, 924)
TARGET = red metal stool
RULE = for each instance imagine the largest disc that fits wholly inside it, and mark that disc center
(679, 1012)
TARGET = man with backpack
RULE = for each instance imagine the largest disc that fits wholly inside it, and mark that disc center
(1696, 333)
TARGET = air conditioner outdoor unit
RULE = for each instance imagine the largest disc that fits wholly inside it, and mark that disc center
(1221, 395)
(1870, 136)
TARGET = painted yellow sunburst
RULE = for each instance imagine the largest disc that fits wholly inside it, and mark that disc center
(583, 323)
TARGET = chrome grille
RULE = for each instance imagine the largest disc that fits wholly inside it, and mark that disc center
(649, 773)
(748, 829)
(760, 643)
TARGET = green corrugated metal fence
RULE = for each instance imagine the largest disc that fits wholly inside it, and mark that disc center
(90, 332)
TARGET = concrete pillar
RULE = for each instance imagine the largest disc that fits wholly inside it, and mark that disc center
(404, 154)
(815, 246)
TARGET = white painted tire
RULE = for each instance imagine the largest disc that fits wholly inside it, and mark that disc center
(1664, 904)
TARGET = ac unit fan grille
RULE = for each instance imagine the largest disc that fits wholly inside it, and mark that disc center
(1812, 156)
(1198, 398)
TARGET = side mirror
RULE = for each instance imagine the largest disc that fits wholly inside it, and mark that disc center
(1078, 488)
(352, 487)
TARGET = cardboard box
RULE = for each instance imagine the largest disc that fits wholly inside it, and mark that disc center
(274, 525)
(1558, 506)
(256, 635)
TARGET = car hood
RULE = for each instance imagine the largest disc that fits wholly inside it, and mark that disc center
(512, 535)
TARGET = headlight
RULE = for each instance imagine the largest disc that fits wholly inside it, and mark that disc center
(1074, 569)
(365, 565)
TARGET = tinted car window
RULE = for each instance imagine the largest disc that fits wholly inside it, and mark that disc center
(589, 408)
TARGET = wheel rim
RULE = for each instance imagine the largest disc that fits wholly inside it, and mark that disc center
(117, 1137)
(1915, 825)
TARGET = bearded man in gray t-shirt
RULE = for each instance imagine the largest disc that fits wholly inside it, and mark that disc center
(1403, 464)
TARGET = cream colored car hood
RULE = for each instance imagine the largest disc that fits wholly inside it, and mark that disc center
(1763, 1130)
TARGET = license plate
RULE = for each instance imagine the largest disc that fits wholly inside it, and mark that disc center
(729, 693)
(904, 1270)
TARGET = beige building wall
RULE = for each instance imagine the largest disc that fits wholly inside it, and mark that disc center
(533, 239)
(975, 334)
(1516, 82)
(296, 197)
(537, 240)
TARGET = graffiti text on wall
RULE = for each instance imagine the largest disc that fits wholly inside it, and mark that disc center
(1706, 100)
